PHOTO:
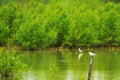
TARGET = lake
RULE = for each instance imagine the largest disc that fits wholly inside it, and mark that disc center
(65, 65)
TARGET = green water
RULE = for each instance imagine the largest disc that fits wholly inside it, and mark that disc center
(65, 65)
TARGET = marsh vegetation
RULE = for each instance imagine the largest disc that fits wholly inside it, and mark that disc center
(32, 24)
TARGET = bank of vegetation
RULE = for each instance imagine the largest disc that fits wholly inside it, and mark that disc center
(32, 24)
(11, 66)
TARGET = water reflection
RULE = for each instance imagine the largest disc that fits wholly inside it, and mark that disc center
(56, 65)
(28, 75)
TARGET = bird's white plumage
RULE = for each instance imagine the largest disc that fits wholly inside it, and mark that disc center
(91, 54)
(80, 50)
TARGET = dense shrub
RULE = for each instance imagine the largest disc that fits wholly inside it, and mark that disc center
(10, 65)
(7, 28)
(32, 24)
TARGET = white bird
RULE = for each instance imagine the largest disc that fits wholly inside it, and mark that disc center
(91, 54)
(80, 50)
(79, 56)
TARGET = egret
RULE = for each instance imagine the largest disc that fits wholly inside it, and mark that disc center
(80, 50)
(91, 54)
(79, 56)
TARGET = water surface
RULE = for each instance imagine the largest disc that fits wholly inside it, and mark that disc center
(65, 65)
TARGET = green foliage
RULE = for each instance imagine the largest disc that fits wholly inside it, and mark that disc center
(10, 64)
(7, 28)
(39, 24)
